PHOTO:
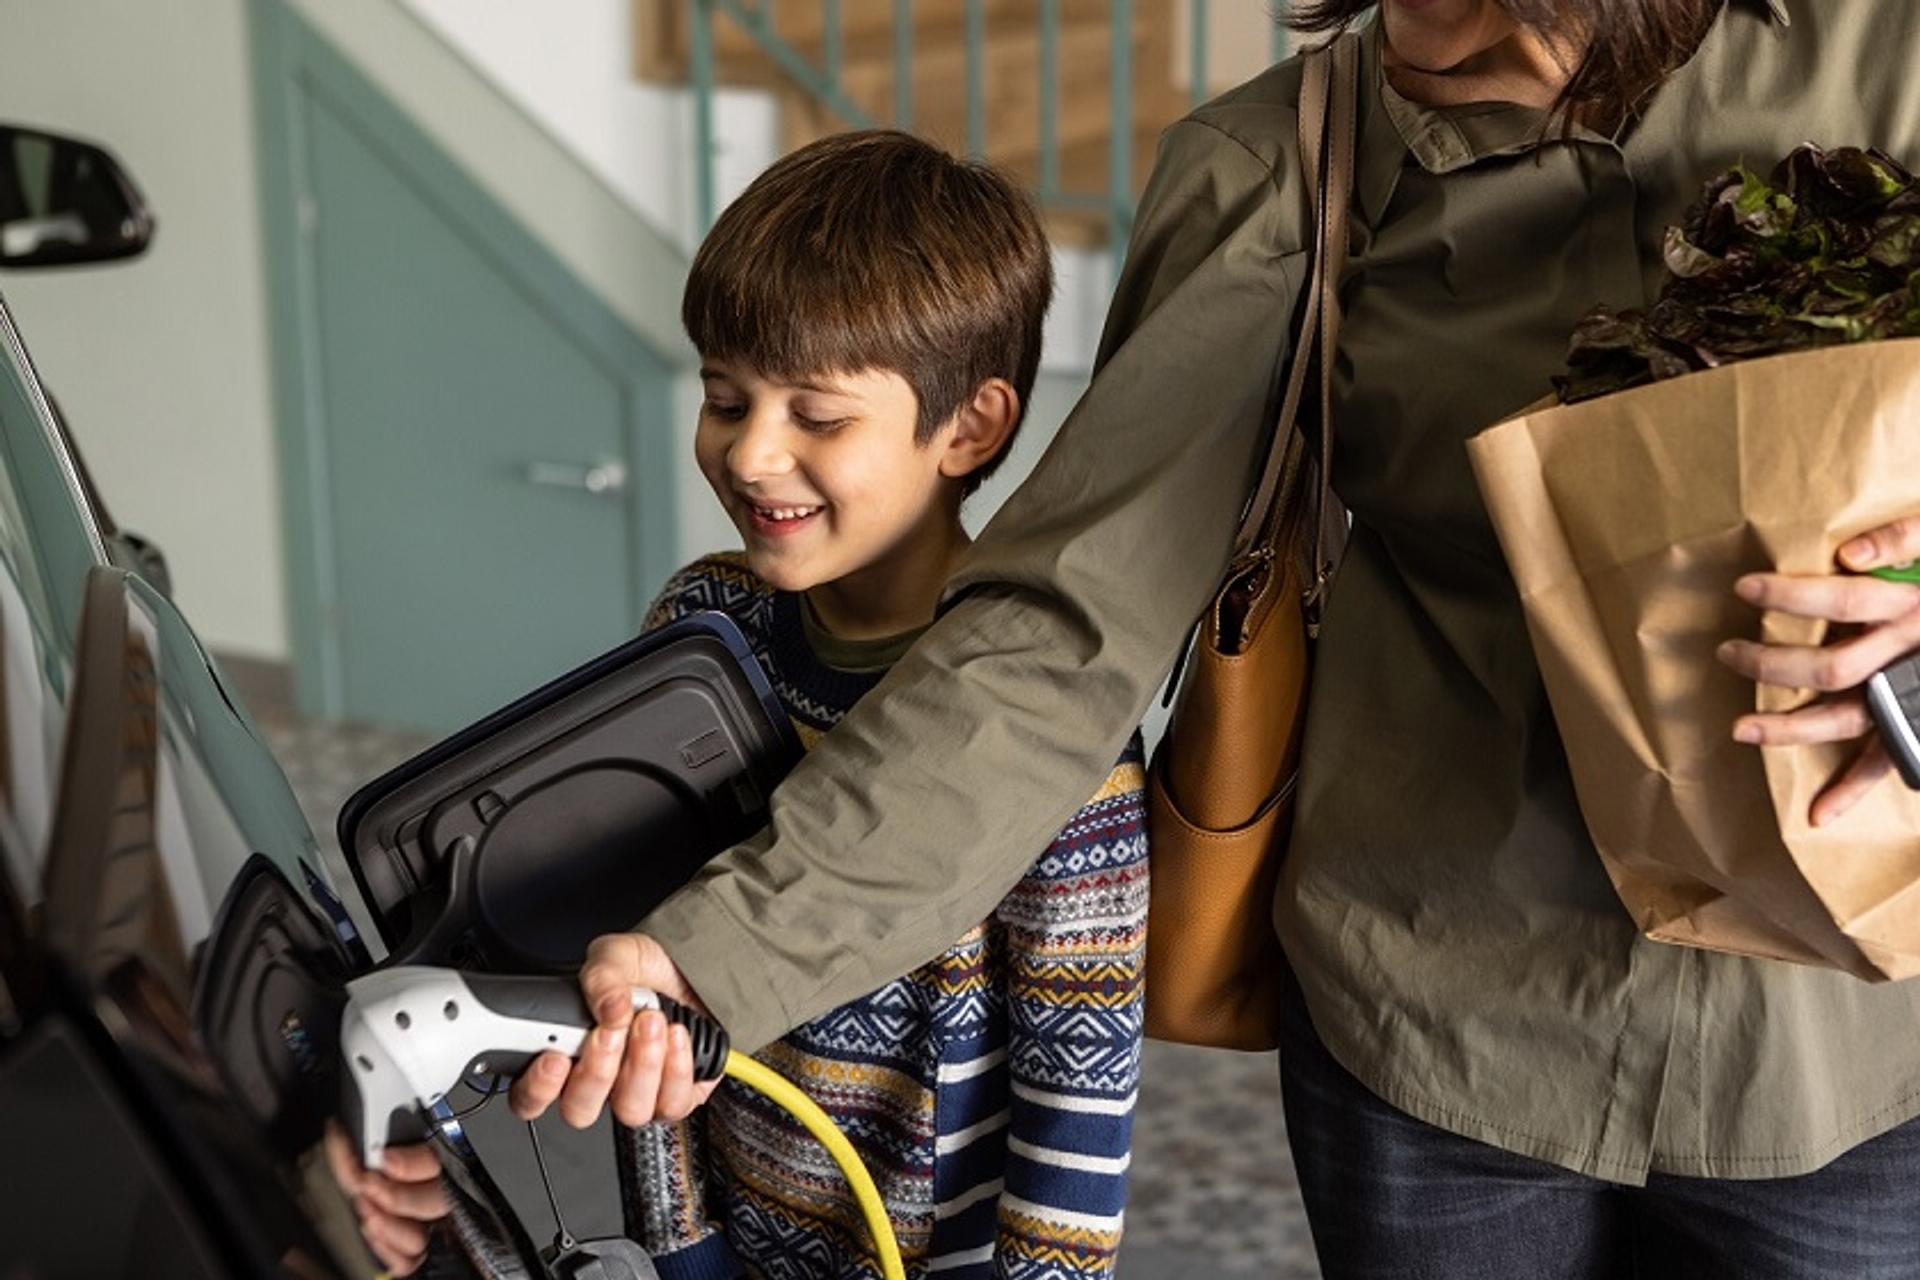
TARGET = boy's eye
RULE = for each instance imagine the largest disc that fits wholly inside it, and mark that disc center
(726, 411)
(818, 425)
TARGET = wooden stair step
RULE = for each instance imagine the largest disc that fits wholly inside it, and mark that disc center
(1012, 94)
(664, 41)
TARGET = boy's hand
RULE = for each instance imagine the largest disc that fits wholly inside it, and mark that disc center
(638, 1062)
(1882, 625)
(398, 1206)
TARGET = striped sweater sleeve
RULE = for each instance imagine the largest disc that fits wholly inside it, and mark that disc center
(1076, 931)
(662, 1168)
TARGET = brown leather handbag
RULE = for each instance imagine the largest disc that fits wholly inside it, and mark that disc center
(1220, 787)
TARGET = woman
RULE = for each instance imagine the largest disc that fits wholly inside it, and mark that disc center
(1487, 1070)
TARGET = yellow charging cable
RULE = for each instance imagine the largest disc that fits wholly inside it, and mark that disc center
(756, 1075)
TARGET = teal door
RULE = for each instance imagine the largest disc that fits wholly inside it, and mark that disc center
(482, 457)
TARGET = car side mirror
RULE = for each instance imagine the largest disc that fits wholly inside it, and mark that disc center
(64, 201)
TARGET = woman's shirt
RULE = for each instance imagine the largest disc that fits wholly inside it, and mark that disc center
(1449, 921)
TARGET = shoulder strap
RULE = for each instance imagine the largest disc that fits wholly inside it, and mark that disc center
(1327, 120)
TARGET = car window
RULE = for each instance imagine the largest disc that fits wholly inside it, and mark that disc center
(20, 422)
(51, 532)
(43, 535)
(29, 728)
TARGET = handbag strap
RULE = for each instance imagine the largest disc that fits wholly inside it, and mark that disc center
(1328, 112)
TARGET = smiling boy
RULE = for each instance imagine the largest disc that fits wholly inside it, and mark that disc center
(868, 317)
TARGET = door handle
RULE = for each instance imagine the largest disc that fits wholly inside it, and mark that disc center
(608, 476)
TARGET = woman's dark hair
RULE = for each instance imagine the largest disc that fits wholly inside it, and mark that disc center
(1631, 47)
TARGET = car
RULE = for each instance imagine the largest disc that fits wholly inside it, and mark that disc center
(181, 979)
(156, 871)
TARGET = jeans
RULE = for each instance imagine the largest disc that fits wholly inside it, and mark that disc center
(1389, 1196)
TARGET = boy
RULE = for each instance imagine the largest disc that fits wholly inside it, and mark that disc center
(868, 318)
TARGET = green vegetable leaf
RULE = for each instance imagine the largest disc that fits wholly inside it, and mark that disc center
(1824, 249)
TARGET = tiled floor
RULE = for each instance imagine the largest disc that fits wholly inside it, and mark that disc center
(1213, 1196)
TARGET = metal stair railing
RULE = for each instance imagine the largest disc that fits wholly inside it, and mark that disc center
(823, 81)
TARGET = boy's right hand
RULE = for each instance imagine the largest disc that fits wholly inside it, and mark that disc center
(397, 1206)
(636, 1062)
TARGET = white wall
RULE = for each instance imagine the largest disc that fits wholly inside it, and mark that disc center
(161, 362)
(569, 64)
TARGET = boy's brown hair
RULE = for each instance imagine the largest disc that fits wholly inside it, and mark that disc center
(875, 249)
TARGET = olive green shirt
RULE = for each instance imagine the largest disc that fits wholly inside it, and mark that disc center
(1457, 940)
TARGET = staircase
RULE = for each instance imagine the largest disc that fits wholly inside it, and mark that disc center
(1031, 85)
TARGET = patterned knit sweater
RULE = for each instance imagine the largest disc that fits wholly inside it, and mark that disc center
(989, 1092)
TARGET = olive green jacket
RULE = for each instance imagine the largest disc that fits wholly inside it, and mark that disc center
(1458, 942)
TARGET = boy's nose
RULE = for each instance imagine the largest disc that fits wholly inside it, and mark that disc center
(759, 449)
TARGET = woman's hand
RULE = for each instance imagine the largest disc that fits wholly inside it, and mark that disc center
(638, 1062)
(398, 1205)
(1881, 624)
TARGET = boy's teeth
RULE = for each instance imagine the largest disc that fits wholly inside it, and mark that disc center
(786, 513)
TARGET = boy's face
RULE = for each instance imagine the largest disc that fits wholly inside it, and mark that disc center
(827, 486)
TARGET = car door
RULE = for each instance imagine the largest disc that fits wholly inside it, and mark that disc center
(134, 790)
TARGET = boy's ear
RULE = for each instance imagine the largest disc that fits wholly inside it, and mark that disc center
(981, 428)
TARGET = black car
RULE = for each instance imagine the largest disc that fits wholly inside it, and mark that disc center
(176, 966)
(140, 809)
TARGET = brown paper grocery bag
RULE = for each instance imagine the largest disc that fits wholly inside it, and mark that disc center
(1625, 520)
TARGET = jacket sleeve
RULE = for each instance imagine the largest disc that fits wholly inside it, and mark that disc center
(1057, 631)
(1075, 930)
